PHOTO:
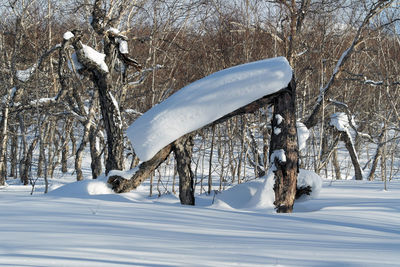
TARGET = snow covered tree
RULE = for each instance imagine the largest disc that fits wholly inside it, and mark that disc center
(101, 68)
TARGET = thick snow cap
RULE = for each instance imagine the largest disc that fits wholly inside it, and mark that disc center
(205, 101)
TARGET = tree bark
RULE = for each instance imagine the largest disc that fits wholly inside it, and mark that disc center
(28, 162)
(109, 107)
(122, 185)
(336, 165)
(346, 138)
(113, 125)
(94, 153)
(65, 146)
(4, 135)
(14, 153)
(183, 148)
(284, 140)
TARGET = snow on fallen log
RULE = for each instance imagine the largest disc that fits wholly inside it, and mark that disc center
(205, 101)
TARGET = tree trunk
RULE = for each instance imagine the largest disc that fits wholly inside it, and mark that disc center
(79, 152)
(51, 150)
(336, 165)
(65, 146)
(284, 150)
(210, 162)
(183, 148)
(122, 185)
(95, 153)
(28, 162)
(346, 138)
(4, 135)
(14, 153)
(24, 145)
(113, 125)
(109, 106)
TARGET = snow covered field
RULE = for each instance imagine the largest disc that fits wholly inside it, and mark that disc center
(351, 223)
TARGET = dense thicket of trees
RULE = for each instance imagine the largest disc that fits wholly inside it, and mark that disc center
(345, 55)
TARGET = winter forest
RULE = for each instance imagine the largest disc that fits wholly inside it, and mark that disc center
(81, 79)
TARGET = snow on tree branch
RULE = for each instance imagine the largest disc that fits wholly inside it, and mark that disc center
(25, 75)
(206, 101)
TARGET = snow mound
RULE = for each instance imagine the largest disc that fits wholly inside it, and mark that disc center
(264, 197)
(260, 195)
(205, 101)
(237, 196)
(83, 188)
(312, 179)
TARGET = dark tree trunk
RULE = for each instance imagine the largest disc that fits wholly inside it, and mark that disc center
(183, 148)
(284, 142)
(121, 185)
(28, 162)
(378, 154)
(51, 149)
(108, 105)
(94, 153)
(346, 138)
(112, 123)
(65, 146)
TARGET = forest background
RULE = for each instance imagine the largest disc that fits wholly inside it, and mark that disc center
(345, 57)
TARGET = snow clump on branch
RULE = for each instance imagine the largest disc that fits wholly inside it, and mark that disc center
(68, 35)
(340, 121)
(96, 57)
(205, 101)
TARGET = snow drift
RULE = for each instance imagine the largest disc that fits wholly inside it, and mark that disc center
(259, 194)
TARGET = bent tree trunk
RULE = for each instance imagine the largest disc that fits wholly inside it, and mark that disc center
(284, 149)
(183, 148)
(346, 138)
(143, 171)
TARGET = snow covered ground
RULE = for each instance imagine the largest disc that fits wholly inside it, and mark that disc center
(351, 223)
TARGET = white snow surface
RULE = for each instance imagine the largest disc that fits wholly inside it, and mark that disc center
(25, 75)
(257, 195)
(279, 119)
(350, 223)
(302, 135)
(96, 57)
(68, 35)
(340, 121)
(83, 188)
(279, 154)
(113, 30)
(205, 101)
(123, 46)
(277, 131)
(309, 178)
